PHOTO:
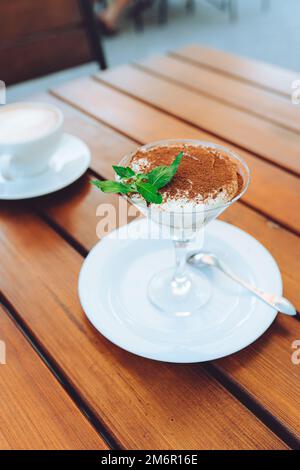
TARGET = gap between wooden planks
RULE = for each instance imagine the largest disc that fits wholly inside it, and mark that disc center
(266, 139)
(80, 204)
(107, 147)
(260, 74)
(36, 413)
(145, 404)
(144, 124)
(228, 90)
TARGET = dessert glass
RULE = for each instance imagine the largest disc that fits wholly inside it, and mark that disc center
(180, 290)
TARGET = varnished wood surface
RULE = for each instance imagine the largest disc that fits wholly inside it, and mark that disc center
(284, 245)
(36, 413)
(234, 125)
(223, 88)
(257, 73)
(167, 402)
(128, 116)
(140, 403)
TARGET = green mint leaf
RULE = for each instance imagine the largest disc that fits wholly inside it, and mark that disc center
(162, 175)
(142, 177)
(124, 172)
(175, 164)
(149, 192)
(112, 186)
(145, 184)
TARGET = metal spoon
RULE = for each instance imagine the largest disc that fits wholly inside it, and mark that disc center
(280, 304)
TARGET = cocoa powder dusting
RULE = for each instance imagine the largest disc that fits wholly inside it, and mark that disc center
(203, 171)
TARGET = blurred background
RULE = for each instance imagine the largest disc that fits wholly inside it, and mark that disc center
(43, 43)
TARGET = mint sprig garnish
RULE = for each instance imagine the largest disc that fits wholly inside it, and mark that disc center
(146, 184)
(149, 192)
(123, 172)
(111, 186)
(162, 175)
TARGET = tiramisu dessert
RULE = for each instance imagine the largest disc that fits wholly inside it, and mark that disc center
(181, 185)
(206, 177)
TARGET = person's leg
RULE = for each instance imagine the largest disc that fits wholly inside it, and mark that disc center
(111, 15)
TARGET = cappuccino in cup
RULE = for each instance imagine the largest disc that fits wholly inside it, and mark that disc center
(29, 135)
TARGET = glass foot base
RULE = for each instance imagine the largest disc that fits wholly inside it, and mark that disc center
(180, 300)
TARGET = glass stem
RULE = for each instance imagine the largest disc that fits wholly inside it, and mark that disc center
(181, 282)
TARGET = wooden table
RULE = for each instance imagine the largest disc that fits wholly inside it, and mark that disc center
(64, 385)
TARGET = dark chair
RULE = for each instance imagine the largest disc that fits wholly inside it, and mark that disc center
(42, 37)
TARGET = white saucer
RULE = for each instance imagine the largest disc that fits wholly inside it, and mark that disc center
(113, 293)
(68, 163)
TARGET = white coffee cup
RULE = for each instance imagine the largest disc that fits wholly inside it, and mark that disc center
(29, 135)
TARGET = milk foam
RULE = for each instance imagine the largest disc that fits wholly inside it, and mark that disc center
(21, 123)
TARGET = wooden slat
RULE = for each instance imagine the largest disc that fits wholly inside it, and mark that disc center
(26, 17)
(145, 124)
(259, 73)
(137, 399)
(227, 89)
(82, 200)
(36, 413)
(283, 245)
(274, 393)
(272, 142)
(43, 55)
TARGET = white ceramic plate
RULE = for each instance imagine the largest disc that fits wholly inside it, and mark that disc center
(113, 293)
(68, 163)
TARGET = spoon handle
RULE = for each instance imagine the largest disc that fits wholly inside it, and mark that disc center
(280, 304)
